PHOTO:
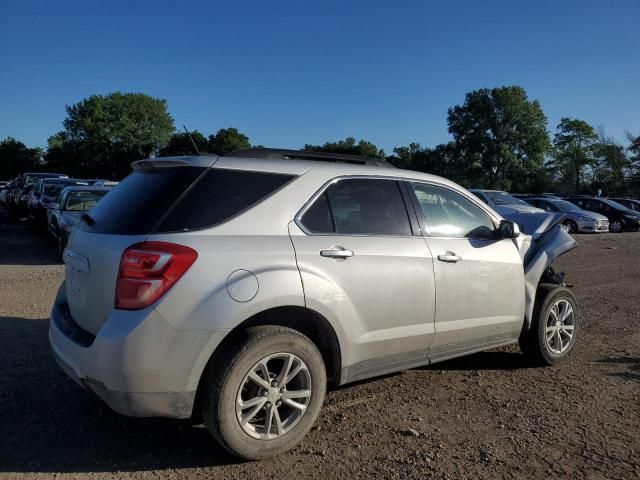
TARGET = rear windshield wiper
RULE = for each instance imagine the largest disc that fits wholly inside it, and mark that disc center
(88, 219)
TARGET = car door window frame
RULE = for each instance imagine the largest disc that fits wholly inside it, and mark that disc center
(424, 225)
(406, 199)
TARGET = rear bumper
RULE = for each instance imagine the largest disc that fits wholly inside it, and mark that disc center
(137, 364)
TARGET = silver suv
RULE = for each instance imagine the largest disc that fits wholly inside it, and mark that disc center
(237, 288)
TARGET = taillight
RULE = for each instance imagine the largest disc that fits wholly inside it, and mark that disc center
(148, 270)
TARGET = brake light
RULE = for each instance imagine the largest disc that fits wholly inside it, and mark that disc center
(148, 270)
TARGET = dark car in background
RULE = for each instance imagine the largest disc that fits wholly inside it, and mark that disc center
(577, 220)
(66, 211)
(46, 190)
(620, 218)
(630, 203)
(17, 199)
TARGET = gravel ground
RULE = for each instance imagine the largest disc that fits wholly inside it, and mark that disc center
(484, 416)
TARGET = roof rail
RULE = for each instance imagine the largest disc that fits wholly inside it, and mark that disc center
(284, 154)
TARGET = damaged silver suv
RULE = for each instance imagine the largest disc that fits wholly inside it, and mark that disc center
(237, 288)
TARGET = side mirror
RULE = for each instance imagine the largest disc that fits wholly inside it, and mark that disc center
(53, 206)
(507, 229)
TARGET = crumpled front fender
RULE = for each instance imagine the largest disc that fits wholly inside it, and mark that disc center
(538, 251)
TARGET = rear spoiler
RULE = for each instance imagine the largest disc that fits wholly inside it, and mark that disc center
(188, 161)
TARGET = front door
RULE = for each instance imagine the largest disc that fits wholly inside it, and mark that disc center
(364, 269)
(480, 295)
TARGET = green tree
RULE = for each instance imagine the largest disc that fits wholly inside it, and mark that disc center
(573, 149)
(498, 133)
(180, 144)
(611, 165)
(347, 146)
(105, 133)
(226, 140)
(634, 161)
(16, 158)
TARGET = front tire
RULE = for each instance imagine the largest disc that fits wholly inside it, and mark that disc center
(554, 326)
(262, 393)
(615, 226)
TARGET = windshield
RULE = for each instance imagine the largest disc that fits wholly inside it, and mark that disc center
(503, 198)
(79, 201)
(566, 206)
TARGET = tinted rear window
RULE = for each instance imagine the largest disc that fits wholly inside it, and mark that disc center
(147, 198)
(136, 205)
(219, 195)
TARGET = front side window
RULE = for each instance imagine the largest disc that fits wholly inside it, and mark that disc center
(359, 206)
(449, 214)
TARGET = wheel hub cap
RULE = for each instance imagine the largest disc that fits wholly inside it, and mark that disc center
(560, 326)
(273, 396)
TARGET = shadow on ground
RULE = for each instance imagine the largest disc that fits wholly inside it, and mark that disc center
(49, 424)
(20, 246)
(490, 360)
(631, 363)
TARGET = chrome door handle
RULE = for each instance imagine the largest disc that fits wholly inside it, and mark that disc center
(449, 257)
(336, 252)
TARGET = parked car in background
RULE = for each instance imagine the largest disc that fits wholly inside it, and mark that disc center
(630, 203)
(577, 220)
(522, 196)
(105, 183)
(511, 208)
(45, 191)
(620, 217)
(20, 195)
(4, 192)
(66, 211)
(252, 281)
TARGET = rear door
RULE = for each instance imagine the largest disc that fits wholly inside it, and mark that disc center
(480, 295)
(363, 267)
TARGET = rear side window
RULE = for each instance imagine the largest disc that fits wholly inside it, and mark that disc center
(317, 218)
(220, 195)
(146, 198)
(136, 205)
(359, 207)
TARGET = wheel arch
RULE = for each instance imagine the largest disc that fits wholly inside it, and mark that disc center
(302, 319)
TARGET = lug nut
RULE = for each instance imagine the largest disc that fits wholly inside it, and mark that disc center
(265, 393)
(278, 403)
(274, 384)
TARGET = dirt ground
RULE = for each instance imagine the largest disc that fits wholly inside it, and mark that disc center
(484, 416)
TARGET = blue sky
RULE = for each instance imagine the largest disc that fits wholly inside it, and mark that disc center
(288, 73)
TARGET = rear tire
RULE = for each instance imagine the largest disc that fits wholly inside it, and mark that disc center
(234, 388)
(554, 326)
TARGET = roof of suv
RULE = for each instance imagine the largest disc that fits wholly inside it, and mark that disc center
(293, 162)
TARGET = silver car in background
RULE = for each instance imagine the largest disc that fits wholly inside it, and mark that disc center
(238, 288)
(576, 219)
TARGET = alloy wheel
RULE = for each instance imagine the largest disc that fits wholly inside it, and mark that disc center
(273, 396)
(560, 326)
(615, 226)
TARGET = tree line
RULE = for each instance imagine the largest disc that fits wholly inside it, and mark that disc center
(499, 139)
